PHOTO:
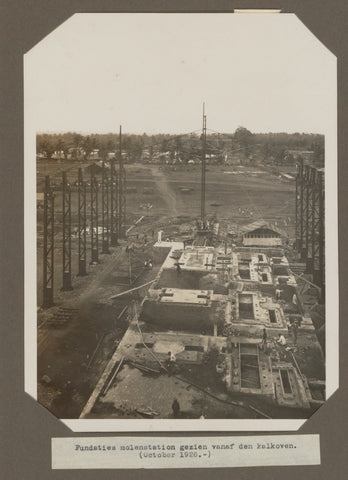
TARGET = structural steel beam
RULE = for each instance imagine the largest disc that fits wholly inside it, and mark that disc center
(82, 224)
(321, 240)
(105, 211)
(94, 217)
(308, 202)
(48, 245)
(310, 221)
(113, 191)
(121, 192)
(66, 221)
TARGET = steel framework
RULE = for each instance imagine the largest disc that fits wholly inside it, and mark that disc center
(105, 211)
(94, 217)
(121, 192)
(113, 191)
(48, 245)
(66, 222)
(300, 212)
(82, 224)
(310, 221)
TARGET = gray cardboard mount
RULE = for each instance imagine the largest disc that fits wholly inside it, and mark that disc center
(26, 427)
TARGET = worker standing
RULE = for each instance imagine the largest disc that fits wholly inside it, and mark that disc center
(264, 340)
(295, 331)
(176, 408)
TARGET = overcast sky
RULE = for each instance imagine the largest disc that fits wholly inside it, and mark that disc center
(152, 72)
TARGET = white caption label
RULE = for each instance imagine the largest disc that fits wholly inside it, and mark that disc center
(184, 452)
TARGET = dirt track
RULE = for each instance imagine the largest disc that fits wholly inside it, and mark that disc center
(65, 351)
(165, 191)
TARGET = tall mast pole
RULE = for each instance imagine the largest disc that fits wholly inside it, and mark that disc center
(204, 147)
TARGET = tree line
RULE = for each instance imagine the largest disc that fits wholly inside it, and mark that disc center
(273, 147)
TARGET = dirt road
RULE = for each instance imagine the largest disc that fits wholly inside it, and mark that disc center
(165, 190)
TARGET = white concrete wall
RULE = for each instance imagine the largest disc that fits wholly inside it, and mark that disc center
(262, 242)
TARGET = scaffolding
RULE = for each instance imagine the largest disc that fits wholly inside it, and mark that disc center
(310, 221)
(48, 245)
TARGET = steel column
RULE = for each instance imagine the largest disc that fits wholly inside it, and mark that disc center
(310, 222)
(113, 205)
(48, 245)
(82, 224)
(94, 217)
(66, 221)
(300, 227)
(105, 211)
(308, 179)
(121, 192)
(321, 183)
(318, 229)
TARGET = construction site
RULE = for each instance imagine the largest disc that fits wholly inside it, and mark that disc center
(180, 292)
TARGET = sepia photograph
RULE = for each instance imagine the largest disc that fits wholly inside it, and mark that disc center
(181, 222)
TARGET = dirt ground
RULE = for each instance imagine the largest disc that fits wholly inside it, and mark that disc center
(169, 199)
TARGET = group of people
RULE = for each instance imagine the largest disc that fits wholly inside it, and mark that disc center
(293, 328)
(281, 340)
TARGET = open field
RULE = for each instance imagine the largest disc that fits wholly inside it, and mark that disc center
(236, 195)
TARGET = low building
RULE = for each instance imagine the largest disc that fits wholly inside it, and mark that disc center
(262, 237)
(306, 155)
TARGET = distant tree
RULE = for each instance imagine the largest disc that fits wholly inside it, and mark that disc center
(103, 149)
(87, 146)
(319, 151)
(60, 146)
(110, 145)
(45, 145)
(94, 143)
(164, 145)
(77, 143)
(243, 137)
(135, 147)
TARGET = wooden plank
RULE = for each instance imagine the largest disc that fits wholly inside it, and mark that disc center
(100, 385)
(95, 351)
(132, 290)
(114, 375)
